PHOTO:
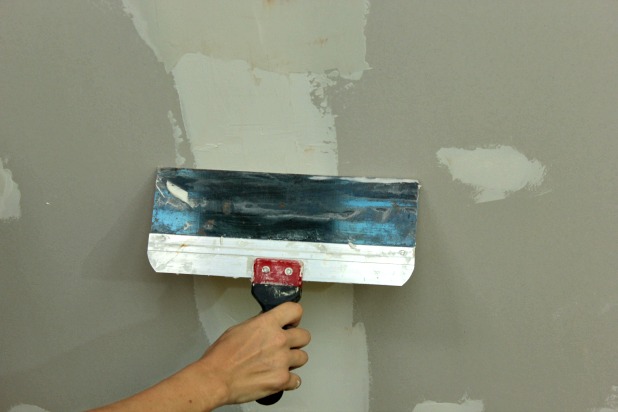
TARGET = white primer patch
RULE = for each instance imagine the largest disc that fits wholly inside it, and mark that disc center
(251, 76)
(494, 173)
(465, 405)
(10, 196)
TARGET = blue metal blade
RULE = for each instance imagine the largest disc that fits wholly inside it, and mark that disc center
(271, 206)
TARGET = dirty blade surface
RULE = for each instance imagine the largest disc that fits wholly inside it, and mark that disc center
(343, 229)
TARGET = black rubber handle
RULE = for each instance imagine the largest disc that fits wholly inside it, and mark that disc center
(270, 399)
(270, 296)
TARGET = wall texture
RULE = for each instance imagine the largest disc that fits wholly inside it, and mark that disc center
(514, 302)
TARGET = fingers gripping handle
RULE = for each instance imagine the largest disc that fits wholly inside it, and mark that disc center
(275, 282)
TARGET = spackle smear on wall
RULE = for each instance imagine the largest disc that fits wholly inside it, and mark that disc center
(252, 77)
(465, 405)
(10, 195)
(494, 173)
(277, 36)
(26, 408)
(254, 120)
(611, 402)
(177, 135)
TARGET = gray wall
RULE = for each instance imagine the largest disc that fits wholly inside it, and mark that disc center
(514, 302)
(84, 126)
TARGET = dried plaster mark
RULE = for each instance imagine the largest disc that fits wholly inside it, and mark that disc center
(178, 140)
(10, 195)
(26, 408)
(611, 402)
(464, 405)
(607, 308)
(494, 173)
(251, 79)
(278, 36)
(567, 313)
(274, 125)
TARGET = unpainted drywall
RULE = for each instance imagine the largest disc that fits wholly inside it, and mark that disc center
(84, 124)
(255, 100)
(514, 300)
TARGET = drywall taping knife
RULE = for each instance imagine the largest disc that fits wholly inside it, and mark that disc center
(282, 229)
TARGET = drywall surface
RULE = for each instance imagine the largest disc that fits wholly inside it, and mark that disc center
(275, 36)
(256, 100)
(84, 125)
(514, 301)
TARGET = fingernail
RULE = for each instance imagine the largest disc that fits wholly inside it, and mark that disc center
(298, 383)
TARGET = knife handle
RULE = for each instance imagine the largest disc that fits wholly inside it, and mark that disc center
(275, 282)
(271, 296)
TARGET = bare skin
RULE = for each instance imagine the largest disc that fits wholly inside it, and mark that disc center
(249, 361)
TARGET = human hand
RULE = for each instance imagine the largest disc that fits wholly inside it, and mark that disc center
(253, 359)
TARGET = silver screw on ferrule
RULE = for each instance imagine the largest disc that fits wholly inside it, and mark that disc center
(289, 271)
(266, 269)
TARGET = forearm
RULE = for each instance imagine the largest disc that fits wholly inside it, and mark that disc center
(185, 391)
(249, 361)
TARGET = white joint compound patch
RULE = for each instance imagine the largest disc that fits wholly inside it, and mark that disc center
(249, 119)
(273, 35)
(26, 408)
(611, 402)
(494, 173)
(10, 196)
(252, 77)
(177, 135)
(465, 405)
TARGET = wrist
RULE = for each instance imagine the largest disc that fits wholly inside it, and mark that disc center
(207, 387)
(190, 390)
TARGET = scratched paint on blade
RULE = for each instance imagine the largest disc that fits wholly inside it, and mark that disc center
(284, 207)
(282, 37)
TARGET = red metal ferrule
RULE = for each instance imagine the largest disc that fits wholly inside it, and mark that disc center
(277, 272)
